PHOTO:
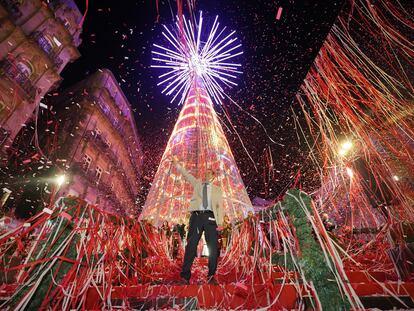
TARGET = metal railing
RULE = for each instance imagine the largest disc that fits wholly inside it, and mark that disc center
(100, 143)
(101, 186)
(9, 69)
(133, 154)
(47, 47)
(90, 176)
(118, 126)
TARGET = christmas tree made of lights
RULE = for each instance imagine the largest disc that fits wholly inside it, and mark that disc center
(197, 67)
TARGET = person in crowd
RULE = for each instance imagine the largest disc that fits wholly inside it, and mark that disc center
(226, 232)
(328, 223)
(176, 241)
(165, 229)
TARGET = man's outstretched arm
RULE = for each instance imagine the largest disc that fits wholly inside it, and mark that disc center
(190, 178)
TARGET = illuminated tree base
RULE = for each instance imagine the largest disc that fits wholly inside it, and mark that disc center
(198, 141)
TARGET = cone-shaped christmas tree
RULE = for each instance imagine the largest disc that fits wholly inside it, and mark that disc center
(198, 64)
(199, 143)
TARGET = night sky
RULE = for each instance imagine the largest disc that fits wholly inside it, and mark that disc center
(277, 55)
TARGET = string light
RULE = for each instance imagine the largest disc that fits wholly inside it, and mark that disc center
(194, 55)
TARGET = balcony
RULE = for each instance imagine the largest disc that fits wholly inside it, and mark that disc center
(103, 188)
(9, 69)
(99, 142)
(47, 47)
(120, 129)
(67, 13)
(128, 186)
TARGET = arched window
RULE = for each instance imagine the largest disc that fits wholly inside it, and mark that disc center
(45, 43)
(25, 68)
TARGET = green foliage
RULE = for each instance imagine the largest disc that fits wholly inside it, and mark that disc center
(279, 259)
(312, 260)
(60, 267)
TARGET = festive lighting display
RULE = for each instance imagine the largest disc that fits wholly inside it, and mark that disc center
(348, 91)
(192, 53)
(199, 143)
(60, 180)
(196, 64)
(345, 148)
(326, 252)
(349, 172)
(90, 259)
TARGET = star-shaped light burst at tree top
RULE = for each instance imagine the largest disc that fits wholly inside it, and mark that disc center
(193, 54)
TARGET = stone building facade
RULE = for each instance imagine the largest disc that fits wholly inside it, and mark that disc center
(37, 40)
(98, 144)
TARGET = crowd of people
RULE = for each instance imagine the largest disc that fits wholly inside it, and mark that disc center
(175, 235)
(260, 235)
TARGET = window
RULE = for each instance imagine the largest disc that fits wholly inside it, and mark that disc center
(57, 42)
(24, 68)
(45, 43)
(98, 174)
(86, 162)
(108, 142)
(98, 132)
(105, 107)
(116, 122)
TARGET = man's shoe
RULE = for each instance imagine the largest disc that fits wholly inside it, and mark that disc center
(183, 281)
(212, 281)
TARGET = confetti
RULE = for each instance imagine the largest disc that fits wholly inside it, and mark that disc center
(47, 211)
(279, 13)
